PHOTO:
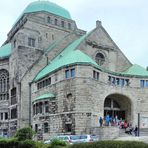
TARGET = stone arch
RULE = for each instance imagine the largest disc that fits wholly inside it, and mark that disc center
(118, 104)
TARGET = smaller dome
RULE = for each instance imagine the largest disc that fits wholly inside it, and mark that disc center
(48, 7)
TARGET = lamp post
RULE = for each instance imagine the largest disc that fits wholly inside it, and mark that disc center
(138, 134)
(138, 106)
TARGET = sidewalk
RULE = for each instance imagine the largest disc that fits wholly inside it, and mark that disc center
(132, 138)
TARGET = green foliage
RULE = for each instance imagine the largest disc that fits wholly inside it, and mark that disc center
(14, 143)
(27, 144)
(111, 144)
(56, 143)
(3, 142)
(8, 143)
(41, 145)
(24, 134)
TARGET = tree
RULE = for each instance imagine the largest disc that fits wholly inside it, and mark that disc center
(24, 134)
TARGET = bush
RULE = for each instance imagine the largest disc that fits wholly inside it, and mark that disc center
(111, 144)
(14, 143)
(27, 144)
(8, 143)
(56, 143)
(3, 142)
(24, 134)
(41, 145)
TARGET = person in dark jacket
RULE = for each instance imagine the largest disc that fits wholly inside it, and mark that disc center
(136, 130)
(101, 121)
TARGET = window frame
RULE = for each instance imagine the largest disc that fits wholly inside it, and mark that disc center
(56, 22)
(31, 42)
(49, 19)
(69, 26)
(63, 23)
(46, 128)
(96, 75)
(70, 73)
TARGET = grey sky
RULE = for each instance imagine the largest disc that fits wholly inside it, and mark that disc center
(125, 20)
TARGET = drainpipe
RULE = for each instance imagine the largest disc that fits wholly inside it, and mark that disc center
(30, 103)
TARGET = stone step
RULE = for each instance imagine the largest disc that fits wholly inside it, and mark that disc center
(123, 134)
(143, 132)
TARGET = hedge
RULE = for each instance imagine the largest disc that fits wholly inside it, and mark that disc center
(56, 143)
(111, 144)
(14, 143)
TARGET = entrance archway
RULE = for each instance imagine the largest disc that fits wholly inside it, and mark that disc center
(117, 104)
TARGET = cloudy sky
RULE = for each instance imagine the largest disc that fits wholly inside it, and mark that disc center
(125, 20)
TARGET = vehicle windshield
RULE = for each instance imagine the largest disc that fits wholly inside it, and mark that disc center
(62, 138)
(94, 136)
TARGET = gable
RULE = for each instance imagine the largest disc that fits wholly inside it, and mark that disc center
(99, 41)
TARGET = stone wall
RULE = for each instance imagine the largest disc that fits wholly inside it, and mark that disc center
(88, 96)
(104, 133)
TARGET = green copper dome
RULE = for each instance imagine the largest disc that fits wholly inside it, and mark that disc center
(48, 7)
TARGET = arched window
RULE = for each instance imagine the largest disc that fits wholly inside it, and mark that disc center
(69, 96)
(100, 59)
(48, 19)
(56, 22)
(4, 84)
(62, 23)
(111, 103)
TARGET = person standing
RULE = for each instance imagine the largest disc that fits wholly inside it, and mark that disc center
(107, 118)
(136, 130)
(125, 125)
(101, 121)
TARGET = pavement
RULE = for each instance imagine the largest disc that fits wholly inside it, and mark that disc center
(132, 138)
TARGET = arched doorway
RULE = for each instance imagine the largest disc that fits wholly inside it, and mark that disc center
(117, 104)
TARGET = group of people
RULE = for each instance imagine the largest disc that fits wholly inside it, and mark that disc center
(108, 121)
(129, 129)
(122, 124)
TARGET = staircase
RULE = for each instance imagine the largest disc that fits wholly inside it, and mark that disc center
(143, 132)
(123, 134)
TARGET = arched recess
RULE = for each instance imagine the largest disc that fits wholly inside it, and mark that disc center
(4, 84)
(118, 104)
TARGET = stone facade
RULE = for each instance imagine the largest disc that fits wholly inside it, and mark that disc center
(79, 100)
